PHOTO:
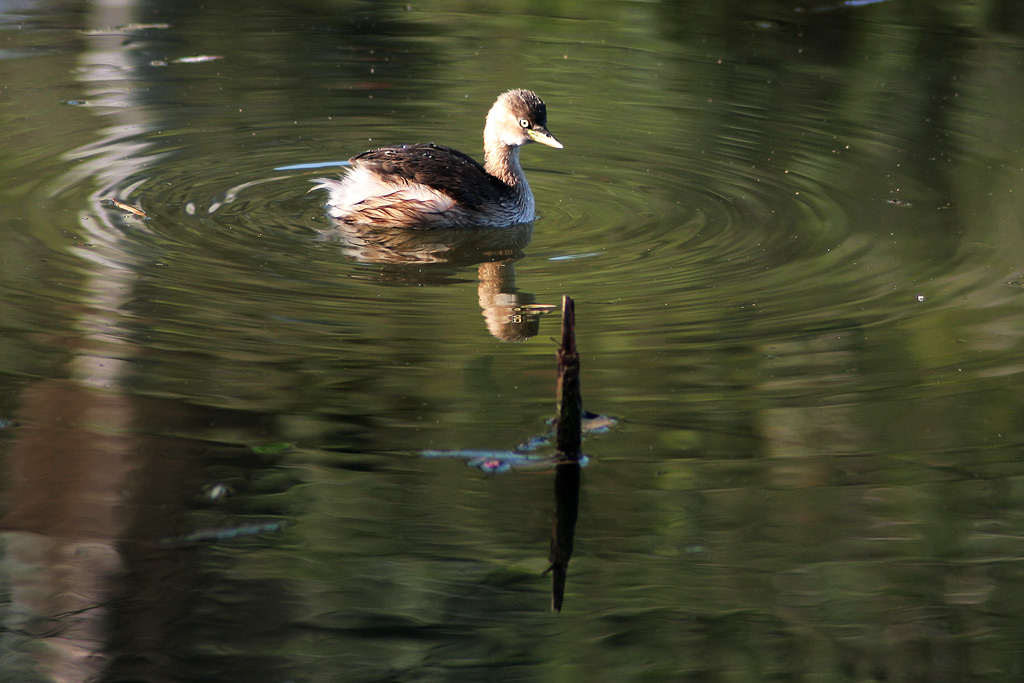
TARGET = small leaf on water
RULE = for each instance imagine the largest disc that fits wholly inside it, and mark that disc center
(271, 448)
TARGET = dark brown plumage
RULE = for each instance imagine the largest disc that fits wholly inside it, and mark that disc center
(445, 169)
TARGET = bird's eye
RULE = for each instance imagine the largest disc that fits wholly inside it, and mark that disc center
(524, 123)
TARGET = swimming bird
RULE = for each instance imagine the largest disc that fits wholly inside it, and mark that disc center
(431, 186)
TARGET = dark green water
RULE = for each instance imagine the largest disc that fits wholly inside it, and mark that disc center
(793, 233)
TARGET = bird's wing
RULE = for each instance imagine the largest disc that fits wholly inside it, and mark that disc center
(443, 169)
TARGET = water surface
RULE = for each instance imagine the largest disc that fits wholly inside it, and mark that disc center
(793, 235)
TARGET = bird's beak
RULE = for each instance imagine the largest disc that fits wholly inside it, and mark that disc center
(542, 136)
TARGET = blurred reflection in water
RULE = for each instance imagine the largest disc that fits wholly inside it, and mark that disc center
(94, 494)
(433, 256)
(793, 234)
(96, 478)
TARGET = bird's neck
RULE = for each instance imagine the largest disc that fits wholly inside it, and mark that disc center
(502, 162)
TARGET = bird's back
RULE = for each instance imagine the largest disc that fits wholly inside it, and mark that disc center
(421, 186)
(440, 168)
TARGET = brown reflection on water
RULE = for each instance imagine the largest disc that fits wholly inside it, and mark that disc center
(96, 482)
(70, 479)
(511, 315)
(94, 496)
(85, 485)
(432, 256)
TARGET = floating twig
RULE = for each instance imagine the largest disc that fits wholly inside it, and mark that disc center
(128, 207)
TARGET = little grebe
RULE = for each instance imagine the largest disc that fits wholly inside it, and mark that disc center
(430, 186)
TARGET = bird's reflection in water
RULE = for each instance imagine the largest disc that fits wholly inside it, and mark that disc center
(436, 256)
